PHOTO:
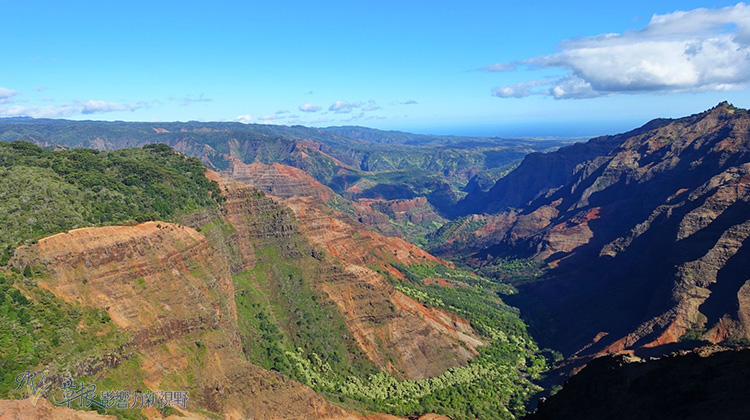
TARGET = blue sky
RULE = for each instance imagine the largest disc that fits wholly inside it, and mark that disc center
(486, 68)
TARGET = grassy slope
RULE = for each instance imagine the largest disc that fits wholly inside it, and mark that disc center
(285, 323)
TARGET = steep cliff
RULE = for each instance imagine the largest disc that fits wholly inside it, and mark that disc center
(644, 233)
(241, 298)
(163, 284)
(395, 332)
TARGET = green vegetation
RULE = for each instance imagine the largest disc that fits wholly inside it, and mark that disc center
(453, 229)
(279, 313)
(496, 384)
(47, 192)
(513, 270)
(338, 157)
(39, 329)
(286, 323)
(343, 205)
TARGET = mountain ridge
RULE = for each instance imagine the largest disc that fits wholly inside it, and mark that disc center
(622, 233)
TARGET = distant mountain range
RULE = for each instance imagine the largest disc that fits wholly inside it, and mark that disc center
(339, 157)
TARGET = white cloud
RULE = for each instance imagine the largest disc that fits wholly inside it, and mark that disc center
(409, 102)
(344, 107)
(573, 87)
(282, 111)
(245, 118)
(6, 95)
(99, 107)
(685, 51)
(499, 67)
(518, 90)
(190, 99)
(308, 107)
(59, 111)
(66, 110)
(371, 106)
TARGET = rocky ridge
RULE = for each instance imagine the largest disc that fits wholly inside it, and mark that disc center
(645, 234)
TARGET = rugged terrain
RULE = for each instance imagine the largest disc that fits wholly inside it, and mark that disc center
(708, 383)
(353, 161)
(278, 283)
(642, 236)
(256, 305)
(164, 286)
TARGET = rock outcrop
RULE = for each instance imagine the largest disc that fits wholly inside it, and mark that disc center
(396, 332)
(647, 235)
(164, 285)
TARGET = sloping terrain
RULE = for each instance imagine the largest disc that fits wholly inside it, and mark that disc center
(708, 383)
(163, 285)
(339, 158)
(642, 235)
(257, 306)
(384, 322)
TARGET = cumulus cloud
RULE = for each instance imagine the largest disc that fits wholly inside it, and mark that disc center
(685, 51)
(245, 118)
(308, 107)
(343, 107)
(6, 95)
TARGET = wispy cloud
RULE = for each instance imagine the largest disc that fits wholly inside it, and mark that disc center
(518, 90)
(308, 107)
(6, 95)
(269, 117)
(371, 106)
(409, 102)
(499, 67)
(67, 110)
(59, 111)
(685, 51)
(99, 107)
(190, 99)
